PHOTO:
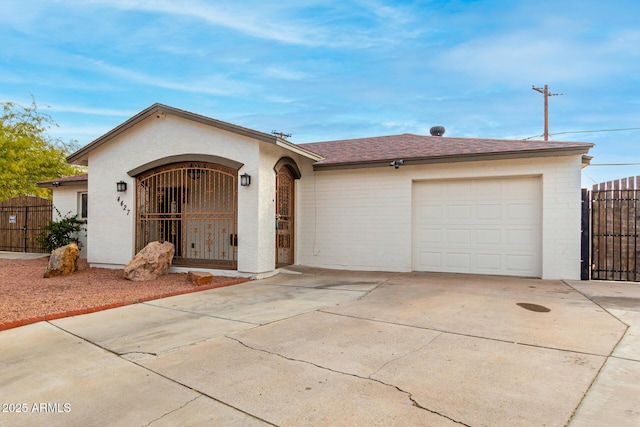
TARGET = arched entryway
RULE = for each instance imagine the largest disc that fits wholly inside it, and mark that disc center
(192, 205)
(285, 216)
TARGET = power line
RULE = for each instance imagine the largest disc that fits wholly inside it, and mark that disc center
(590, 131)
(583, 131)
(614, 164)
(588, 176)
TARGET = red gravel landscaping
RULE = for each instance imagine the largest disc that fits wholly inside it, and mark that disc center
(27, 297)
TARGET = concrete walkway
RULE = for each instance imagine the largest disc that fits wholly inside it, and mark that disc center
(21, 255)
(338, 348)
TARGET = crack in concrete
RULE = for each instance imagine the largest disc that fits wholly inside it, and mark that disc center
(465, 335)
(199, 392)
(384, 365)
(199, 314)
(414, 402)
(625, 358)
(604, 308)
(316, 288)
(126, 353)
(172, 411)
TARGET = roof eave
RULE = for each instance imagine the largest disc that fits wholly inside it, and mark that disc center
(56, 184)
(294, 148)
(80, 157)
(507, 155)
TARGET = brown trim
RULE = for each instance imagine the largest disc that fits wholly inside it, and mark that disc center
(290, 164)
(298, 149)
(185, 158)
(61, 183)
(160, 110)
(285, 236)
(552, 152)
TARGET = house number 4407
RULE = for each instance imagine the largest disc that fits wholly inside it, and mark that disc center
(124, 206)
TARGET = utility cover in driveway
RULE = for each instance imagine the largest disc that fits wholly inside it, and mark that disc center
(482, 226)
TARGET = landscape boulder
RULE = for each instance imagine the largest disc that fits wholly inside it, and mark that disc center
(153, 261)
(63, 261)
(200, 278)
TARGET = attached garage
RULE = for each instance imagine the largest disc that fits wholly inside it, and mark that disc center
(483, 226)
(439, 204)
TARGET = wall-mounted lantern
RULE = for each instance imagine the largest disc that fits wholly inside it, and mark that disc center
(121, 186)
(245, 180)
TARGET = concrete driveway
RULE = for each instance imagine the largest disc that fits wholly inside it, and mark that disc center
(332, 348)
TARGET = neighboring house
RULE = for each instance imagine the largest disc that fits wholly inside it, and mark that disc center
(244, 202)
(70, 198)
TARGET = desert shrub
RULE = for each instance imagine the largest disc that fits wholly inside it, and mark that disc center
(61, 232)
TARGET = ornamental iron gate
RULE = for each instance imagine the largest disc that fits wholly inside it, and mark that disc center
(615, 214)
(21, 221)
(194, 206)
(284, 217)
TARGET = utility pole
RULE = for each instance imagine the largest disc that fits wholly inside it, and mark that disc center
(282, 135)
(545, 91)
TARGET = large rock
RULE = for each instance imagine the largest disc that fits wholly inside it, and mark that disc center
(63, 261)
(199, 278)
(151, 262)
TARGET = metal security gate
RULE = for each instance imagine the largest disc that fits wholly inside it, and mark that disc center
(615, 244)
(21, 221)
(194, 206)
(284, 217)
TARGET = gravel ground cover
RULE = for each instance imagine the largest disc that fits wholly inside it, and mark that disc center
(27, 297)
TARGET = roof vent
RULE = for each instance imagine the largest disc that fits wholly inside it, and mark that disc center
(437, 131)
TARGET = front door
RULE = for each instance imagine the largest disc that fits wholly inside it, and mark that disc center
(284, 217)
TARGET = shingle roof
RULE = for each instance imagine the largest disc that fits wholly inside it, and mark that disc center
(418, 148)
(65, 180)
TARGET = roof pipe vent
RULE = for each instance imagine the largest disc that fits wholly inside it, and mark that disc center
(437, 131)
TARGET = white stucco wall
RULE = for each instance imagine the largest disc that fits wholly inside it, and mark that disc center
(65, 202)
(112, 228)
(269, 156)
(361, 218)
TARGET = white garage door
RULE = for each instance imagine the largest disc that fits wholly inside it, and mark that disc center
(484, 226)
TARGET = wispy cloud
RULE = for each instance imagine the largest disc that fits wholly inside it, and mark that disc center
(65, 108)
(551, 47)
(286, 73)
(251, 19)
(211, 85)
(78, 132)
(310, 23)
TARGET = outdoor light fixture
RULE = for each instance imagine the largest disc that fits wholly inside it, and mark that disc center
(245, 180)
(397, 163)
(121, 186)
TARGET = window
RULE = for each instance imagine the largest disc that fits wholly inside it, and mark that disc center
(83, 205)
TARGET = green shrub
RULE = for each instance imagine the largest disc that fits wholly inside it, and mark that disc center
(61, 232)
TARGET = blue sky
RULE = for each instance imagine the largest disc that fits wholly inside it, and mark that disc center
(324, 70)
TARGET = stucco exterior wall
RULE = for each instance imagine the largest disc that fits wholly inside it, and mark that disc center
(112, 226)
(269, 156)
(361, 218)
(65, 202)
